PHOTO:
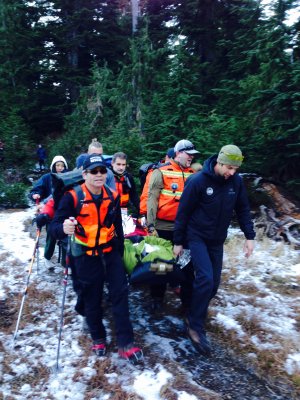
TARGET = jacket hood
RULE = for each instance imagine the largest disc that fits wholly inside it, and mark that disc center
(57, 159)
(208, 168)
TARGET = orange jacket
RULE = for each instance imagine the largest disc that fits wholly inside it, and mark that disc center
(174, 178)
(144, 195)
(95, 228)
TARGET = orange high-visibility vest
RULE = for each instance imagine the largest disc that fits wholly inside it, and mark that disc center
(174, 178)
(94, 231)
(124, 197)
(144, 195)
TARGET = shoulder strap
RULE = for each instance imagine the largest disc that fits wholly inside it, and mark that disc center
(80, 197)
(109, 192)
(115, 201)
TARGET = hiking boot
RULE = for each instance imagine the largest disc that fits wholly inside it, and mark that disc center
(176, 290)
(199, 341)
(49, 265)
(131, 353)
(99, 347)
(156, 305)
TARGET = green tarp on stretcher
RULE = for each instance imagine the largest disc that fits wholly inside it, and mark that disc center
(149, 249)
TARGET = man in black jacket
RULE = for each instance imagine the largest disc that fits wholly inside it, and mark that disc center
(204, 214)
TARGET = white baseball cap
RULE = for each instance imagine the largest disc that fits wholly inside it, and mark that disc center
(186, 146)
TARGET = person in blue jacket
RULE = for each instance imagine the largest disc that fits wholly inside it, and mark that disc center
(41, 155)
(42, 191)
(205, 211)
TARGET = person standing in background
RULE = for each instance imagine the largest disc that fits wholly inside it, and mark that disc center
(41, 154)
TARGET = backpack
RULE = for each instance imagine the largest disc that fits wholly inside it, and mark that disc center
(143, 171)
(63, 182)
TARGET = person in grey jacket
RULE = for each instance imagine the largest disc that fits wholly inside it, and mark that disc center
(205, 211)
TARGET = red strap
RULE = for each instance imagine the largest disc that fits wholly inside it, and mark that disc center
(130, 352)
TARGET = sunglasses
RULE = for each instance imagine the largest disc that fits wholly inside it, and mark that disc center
(95, 171)
(188, 148)
(234, 157)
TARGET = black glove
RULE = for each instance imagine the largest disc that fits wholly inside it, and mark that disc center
(41, 220)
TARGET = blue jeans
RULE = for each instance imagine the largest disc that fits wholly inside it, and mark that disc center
(207, 261)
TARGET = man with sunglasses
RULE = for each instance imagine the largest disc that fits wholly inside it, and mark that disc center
(204, 214)
(97, 247)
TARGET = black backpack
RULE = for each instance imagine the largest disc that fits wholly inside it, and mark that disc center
(63, 182)
(143, 171)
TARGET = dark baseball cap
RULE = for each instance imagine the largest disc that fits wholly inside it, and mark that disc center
(92, 161)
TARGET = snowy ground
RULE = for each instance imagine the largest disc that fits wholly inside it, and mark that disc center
(255, 315)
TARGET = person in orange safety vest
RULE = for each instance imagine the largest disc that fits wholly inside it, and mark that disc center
(144, 195)
(97, 246)
(165, 189)
(124, 181)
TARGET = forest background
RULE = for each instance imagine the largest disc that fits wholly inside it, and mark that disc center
(212, 71)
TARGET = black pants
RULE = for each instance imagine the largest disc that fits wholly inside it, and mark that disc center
(50, 245)
(91, 273)
(41, 164)
(185, 280)
(157, 291)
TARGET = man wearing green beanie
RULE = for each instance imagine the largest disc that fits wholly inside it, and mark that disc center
(204, 215)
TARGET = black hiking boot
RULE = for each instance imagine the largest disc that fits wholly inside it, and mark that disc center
(99, 347)
(199, 341)
(156, 305)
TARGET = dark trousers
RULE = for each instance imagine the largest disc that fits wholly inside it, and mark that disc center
(41, 163)
(185, 279)
(157, 291)
(50, 245)
(207, 262)
(91, 273)
(50, 248)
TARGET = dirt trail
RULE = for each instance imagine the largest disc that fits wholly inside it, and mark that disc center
(224, 372)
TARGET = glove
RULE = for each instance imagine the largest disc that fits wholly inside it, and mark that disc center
(41, 220)
(152, 231)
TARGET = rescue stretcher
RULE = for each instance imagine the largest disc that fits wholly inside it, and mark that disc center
(150, 259)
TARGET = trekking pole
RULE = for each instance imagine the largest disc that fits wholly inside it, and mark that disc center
(27, 283)
(38, 231)
(59, 259)
(65, 282)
